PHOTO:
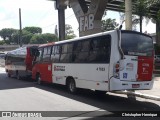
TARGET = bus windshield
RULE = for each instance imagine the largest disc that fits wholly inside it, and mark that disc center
(136, 44)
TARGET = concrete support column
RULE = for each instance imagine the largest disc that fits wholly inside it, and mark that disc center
(61, 22)
(61, 6)
(128, 13)
(89, 18)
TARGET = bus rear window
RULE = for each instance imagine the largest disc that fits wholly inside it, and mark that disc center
(136, 44)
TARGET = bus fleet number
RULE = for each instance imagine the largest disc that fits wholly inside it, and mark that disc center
(100, 69)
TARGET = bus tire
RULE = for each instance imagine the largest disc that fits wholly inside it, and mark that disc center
(38, 79)
(71, 85)
(17, 75)
(8, 74)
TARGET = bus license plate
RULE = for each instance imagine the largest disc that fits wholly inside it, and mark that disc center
(135, 85)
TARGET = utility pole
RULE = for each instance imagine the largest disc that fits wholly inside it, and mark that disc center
(20, 29)
(128, 20)
(128, 13)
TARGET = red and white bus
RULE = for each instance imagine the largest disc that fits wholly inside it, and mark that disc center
(18, 62)
(109, 61)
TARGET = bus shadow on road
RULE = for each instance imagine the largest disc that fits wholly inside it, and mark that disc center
(105, 102)
(113, 105)
(13, 83)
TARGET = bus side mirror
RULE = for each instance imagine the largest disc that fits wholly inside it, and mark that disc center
(37, 54)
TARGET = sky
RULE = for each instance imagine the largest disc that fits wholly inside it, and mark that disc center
(42, 13)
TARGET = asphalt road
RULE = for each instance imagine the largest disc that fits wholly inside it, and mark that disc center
(26, 95)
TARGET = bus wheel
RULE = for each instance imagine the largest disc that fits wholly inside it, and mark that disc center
(18, 76)
(8, 74)
(38, 79)
(71, 85)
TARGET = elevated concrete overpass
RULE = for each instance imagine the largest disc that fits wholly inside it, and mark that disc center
(114, 5)
(89, 13)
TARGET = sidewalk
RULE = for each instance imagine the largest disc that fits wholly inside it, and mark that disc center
(155, 91)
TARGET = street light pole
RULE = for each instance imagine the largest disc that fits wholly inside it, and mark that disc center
(20, 30)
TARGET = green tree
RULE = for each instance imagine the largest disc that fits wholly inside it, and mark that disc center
(2, 42)
(15, 37)
(37, 39)
(3, 34)
(50, 37)
(69, 33)
(33, 30)
(43, 38)
(109, 24)
(142, 9)
(7, 34)
(156, 19)
(26, 36)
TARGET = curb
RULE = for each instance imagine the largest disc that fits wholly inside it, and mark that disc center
(137, 94)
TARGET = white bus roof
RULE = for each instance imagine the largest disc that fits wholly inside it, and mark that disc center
(84, 37)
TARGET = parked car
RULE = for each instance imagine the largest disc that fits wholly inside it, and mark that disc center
(157, 58)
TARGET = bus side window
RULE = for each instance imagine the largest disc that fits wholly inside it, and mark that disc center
(52, 52)
(39, 58)
(46, 53)
(66, 54)
(34, 52)
(93, 50)
(77, 46)
(83, 54)
(55, 55)
(105, 49)
(69, 52)
(100, 49)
